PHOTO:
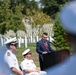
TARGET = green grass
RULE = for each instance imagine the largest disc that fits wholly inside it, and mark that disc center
(32, 47)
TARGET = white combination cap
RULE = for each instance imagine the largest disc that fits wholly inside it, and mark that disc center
(14, 40)
(26, 51)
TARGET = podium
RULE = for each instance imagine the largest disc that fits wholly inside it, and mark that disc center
(53, 58)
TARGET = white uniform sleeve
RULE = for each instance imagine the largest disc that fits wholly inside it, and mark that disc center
(23, 65)
(9, 61)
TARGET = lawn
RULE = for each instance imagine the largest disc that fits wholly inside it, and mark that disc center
(32, 47)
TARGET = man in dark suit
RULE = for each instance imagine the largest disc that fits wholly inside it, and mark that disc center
(43, 47)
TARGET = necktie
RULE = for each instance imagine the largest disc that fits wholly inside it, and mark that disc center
(46, 45)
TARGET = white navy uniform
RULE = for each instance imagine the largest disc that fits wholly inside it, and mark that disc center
(29, 64)
(11, 60)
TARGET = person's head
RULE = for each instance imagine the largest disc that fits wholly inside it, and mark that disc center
(68, 20)
(44, 36)
(27, 54)
(11, 44)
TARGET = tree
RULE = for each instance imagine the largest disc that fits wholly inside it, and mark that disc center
(16, 19)
(51, 7)
(11, 17)
(5, 14)
(59, 35)
(28, 5)
(38, 19)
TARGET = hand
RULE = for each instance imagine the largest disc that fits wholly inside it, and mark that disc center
(45, 52)
(36, 70)
(20, 73)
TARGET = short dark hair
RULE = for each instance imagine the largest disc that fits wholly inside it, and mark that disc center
(45, 33)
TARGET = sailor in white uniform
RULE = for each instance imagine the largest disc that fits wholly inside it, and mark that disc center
(10, 57)
(28, 66)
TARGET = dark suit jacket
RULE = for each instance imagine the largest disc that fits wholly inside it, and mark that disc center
(40, 48)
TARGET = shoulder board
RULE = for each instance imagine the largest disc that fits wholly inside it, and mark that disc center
(8, 53)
